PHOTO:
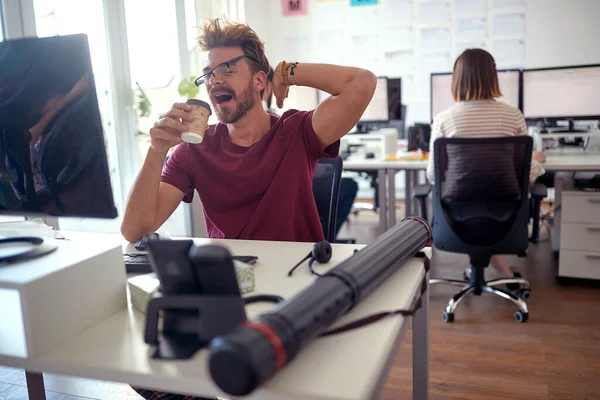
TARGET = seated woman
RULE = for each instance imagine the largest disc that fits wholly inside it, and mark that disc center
(477, 113)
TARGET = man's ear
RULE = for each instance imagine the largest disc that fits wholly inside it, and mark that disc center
(260, 81)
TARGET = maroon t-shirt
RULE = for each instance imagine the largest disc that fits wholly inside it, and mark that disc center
(261, 192)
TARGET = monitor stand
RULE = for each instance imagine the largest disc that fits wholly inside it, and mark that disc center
(552, 127)
(20, 248)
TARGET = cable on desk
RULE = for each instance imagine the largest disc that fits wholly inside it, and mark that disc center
(263, 298)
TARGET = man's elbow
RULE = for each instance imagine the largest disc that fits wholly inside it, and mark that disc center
(366, 83)
(130, 232)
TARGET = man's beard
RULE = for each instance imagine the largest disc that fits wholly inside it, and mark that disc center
(245, 103)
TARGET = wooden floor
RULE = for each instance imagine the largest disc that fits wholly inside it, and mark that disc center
(484, 354)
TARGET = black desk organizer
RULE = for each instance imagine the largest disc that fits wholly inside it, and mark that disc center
(199, 298)
(190, 322)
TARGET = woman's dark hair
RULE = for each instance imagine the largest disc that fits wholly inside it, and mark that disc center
(475, 76)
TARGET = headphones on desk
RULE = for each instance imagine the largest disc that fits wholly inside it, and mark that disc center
(321, 253)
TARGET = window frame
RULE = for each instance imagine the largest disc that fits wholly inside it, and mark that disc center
(18, 21)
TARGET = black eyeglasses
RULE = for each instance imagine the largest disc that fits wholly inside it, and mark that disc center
(221, 70)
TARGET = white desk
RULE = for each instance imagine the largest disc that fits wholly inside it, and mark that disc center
(352, 365)
(564, 159)
(572, 160)
(386, 173)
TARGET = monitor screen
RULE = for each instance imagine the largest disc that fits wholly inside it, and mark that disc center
(394, 90)
(386, 103)
(52, 146)
(441, 90)
(562, 93)
(378, 110)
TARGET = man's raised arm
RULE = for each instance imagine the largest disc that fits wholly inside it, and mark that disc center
(351, 90)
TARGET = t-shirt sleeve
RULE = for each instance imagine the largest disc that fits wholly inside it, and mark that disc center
(436, 132)
(176, 172)
(311, 140)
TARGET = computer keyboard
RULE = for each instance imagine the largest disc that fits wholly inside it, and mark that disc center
(139, 263)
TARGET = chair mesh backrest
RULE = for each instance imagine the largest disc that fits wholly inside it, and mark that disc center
(482, 183)
(491, 169)
(325, 185)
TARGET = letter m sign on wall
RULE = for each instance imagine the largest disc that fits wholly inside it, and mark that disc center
(294, 7)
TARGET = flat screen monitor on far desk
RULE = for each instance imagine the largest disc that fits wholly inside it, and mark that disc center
(52, 155)
(565, 93)
(384, 107)
(441, 90)
(386, 104)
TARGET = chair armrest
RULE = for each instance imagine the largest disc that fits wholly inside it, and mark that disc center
(422, 190)
(538, 190)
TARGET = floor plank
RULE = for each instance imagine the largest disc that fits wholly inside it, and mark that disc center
(4, 387)
(20, 393)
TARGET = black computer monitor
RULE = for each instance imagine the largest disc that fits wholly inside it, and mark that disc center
(378, 108)
(562, 93)
(441, 90)
(52, 145)
(394, 90)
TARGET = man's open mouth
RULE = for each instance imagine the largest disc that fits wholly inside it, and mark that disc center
(223, 98)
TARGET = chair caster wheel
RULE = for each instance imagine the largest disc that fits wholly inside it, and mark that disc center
(521, 316)
(524, 293)
(448, 317)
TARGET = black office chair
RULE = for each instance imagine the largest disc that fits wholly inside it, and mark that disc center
(326, 190)
(481, 208)
(538, 192)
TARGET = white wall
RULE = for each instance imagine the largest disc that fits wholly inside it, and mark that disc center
(557, 32)
(562, 32)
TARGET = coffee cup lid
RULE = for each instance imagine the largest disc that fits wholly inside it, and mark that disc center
(200, 103)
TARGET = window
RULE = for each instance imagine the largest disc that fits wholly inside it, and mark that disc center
(66, 17)
(1, 24)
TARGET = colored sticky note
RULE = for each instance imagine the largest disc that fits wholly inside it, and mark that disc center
(294, 7)
(354, 3)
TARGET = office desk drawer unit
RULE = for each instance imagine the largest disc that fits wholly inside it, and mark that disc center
(580, 235)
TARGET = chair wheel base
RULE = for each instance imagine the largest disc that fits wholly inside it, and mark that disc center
(448, 317)
(521, 316)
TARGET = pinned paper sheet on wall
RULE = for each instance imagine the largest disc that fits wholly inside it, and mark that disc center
(508, 3)
(435, 39)
(508, 24)
(399, 63)
(366, 46)
(298, 48)
(333, 46)
(397, 11)
(509, 53)
(469, 30)
(364, 20)
(398, 38)
(470, 6)
(355, 3)
(294, 7)
(330, 15)
(435, 12)
(435, 62)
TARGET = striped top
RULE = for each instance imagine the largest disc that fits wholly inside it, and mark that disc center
(479, 118)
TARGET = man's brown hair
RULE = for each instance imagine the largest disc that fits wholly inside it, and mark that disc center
(475, 76)
(222, 33)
